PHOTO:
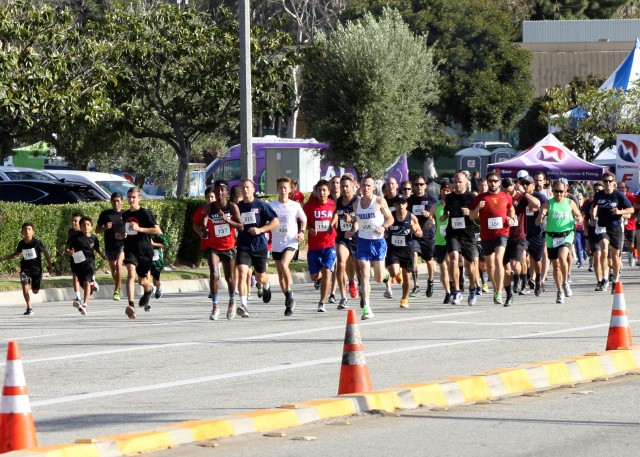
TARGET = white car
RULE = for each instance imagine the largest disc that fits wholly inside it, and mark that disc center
(490, 145)
(104, 184)
(22, 173)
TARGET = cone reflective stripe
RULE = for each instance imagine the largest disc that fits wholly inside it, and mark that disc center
(17, 429)
(354, 372)
(619, 330)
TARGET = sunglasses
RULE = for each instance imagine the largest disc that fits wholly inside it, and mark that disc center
(555, 191)
(607, 180)
(406, 188)
(493, 180)
(419, 183)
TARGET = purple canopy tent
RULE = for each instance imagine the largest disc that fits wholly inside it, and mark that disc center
(552, 157)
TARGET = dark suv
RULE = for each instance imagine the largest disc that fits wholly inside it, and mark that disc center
(46, 192)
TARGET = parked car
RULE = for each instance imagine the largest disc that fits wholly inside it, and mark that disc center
(21, 173)
(46, 192)
(490, 145)
(104, 184)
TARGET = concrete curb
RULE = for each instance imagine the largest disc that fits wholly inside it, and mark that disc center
(437, 394)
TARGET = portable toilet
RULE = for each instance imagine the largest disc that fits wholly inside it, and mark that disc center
(501, 154)
(473, 159)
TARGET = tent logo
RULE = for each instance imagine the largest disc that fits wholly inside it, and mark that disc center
(628, 151)
(550, 154)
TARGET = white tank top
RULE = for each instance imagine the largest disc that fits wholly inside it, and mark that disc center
(368, 219)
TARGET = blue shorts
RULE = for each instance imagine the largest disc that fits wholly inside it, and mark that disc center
(371, 250)
(317, 259)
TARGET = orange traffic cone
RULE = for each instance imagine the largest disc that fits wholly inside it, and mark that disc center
(17, 429)
(354, 373)
(619, 330)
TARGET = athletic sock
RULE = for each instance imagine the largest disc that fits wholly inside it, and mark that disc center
(267, 286)
(508, 290)
(243, 300)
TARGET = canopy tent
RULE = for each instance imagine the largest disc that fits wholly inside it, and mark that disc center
(607, 157)
(552, 157)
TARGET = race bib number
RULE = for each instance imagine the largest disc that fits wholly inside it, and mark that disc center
(398, 240)
(78, 257)
(515, 221)
(248, 218)
(367, 227)
(600, 230)
(345, 226)
(418, 209)
(29, 254)
(128, 230)
(282, 230)
(494, 223)
(477, 237)
(443, 230)
(221, 230)
(458, 223)
(322, 226)
(530, 212)
(156, 255)
(557, 242)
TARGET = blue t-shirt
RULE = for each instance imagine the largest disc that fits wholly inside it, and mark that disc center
(607, 202)
(254, 214)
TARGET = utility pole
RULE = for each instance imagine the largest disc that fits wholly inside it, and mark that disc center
(247, 160)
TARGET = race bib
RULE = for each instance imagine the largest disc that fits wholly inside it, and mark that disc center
(443, 229)
(515, 221)
(128, 230)
(248, 218)
(78, 257)
(398, 240)
(322, 226)
(282, 230)
(367, 227)
(477, 237)
(530, 212)
(156, 255)
(557, 242)
(600, 230)
(494, 223)
(458, 223)
(345, 226)
(221, 230)
(29, 254)
(418, 209)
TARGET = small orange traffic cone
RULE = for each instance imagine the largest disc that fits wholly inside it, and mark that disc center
(354, 373)
(17, 429)
(619, 330)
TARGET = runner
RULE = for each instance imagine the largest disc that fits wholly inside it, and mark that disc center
(419, 204)
(496, 213)
(110, 222)
(609, 205)
(630, 225)
(460, 238)
(593, 239)
(257, 218)
(536, 246)
(159, 244)
(343, 216)
(140, 225)
(399, 258)
(440, 252)
(297, 197)
(31, 250)
(561, 214)
(334, 195)
(372, 219)
(73, 231)
(286, 238)
(200, 230)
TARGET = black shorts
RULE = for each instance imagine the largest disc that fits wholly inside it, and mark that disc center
(277, 256)
(594, 240)
(489, 246)
(351, 245)
(535, 247)
(32, 276)
(155, 273)
(630, 236)
(426, 248)
(440, 254)
(552, 253)
(85, 272)
(225, 256)
(256, 258)
(402, 257)
(615, 236)
(465, 246)
(515, 250)
(113, 254)
(143, 264)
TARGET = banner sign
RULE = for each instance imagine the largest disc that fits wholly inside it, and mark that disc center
(627, 160)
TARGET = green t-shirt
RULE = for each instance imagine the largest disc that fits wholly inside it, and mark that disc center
(560, 219)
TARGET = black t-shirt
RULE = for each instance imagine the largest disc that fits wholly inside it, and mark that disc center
(117, 226)
(417, 204)
(31, 255)
(135, 242)
(254, 214)
(86, 245)
(453, 205)
(607, 202)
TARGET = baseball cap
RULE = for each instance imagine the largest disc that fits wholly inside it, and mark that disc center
(526, 179)
(445, 186)
(400, 199)
(522, 174)
(563, 181)
(220, 183)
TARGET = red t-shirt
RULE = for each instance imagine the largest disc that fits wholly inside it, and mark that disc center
(631, 223)
(221, 236)
(197, 219)
(297, 196)
(493, 217)
(518, 230)
(319, 218)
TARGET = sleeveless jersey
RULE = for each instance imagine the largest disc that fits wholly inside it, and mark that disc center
(341, 210)
(399, 234)
(368, 219)
(441, 227)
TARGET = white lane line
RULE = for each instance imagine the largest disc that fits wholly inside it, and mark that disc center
(31, 337)
(501, 323)
(292, 366)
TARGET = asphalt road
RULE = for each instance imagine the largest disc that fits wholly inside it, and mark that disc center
(104, 374)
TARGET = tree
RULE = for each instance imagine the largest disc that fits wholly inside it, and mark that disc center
(175, 74)
(368, 86)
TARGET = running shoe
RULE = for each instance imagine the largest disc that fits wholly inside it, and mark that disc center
(429, 289)
(77, 303)
(266, 295)
(316, 284)
(94, 286)
(28, 312)
(209, 296)
(404, 303)
(288, 309)
(524, 291)
(590, 269)
(497, 298)
(478, 291)
(457, 298)
(387, 276)
(485, 288)
(249, 296)
(83, 309)
(560, 297)
(116, 295)
(508, 302)
(367, 313)
(353, 289)
(388, 293)
(613, 288)
(158, 293)
(260, 292)
(414, 292)
(567, 290)
(253, 281)
(343, 304)
(242, 311)
(516, 289)
(130, 312)
(231, 310)
(332, 298)
(598, 286)
(447, 298)
(472, 298)
(361, 302)
(215, 313)
(321, 308)
(605, 285)
(399, 278)
(144, 300)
